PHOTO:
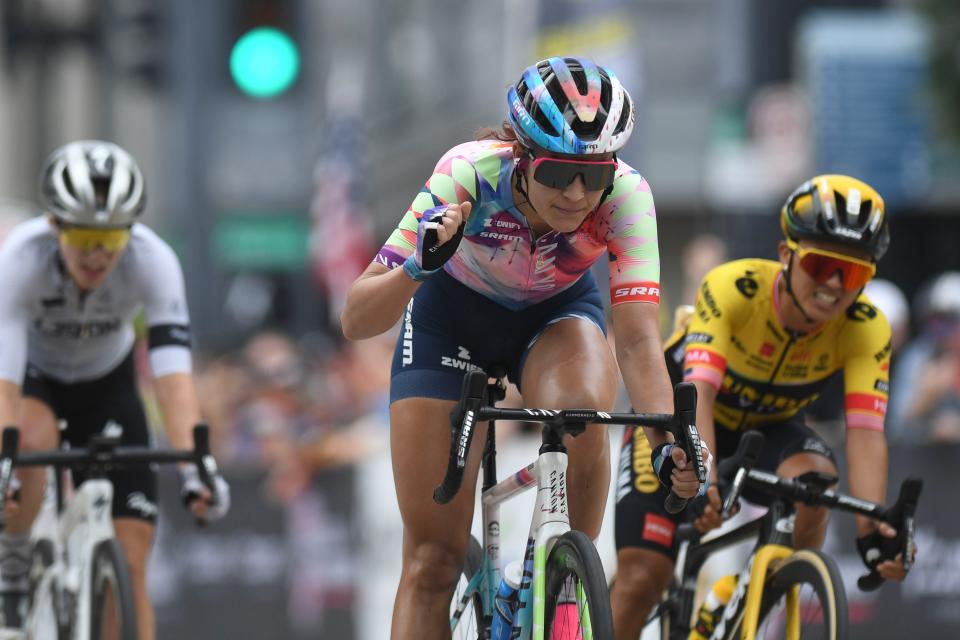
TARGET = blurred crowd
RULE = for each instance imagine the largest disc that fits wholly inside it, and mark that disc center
(293, 407)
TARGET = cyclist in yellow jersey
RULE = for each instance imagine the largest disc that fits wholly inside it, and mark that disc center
(762, 341)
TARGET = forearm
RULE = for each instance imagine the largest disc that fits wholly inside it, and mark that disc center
(376, 301)
(179, 406)
(645, 377)
(9, 403)
(867, 464)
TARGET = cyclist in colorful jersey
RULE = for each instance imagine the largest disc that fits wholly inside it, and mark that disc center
(72, 284)
(763, 339)
(490, 266)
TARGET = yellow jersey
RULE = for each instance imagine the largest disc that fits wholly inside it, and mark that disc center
(766, 373)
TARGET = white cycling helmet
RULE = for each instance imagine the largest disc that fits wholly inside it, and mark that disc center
(92, 183)
(944, 296)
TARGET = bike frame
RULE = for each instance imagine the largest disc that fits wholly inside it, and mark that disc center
(773, 531)
(744, 604)
(85, 522)
(548, 472)
(550, 520)
(88, 520)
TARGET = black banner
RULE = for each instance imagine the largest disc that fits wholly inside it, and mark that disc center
(927, 603)
(268, 570)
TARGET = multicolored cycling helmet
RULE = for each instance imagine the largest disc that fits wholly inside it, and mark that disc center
(838, 209)
(570, 106)
(91, 183)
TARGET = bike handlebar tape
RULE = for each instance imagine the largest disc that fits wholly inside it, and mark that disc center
(11, 442)
(201, 440)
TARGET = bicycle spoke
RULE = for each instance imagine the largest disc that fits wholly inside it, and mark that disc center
(466, 606)
(809, 621)
(572, 618)
(577, 600)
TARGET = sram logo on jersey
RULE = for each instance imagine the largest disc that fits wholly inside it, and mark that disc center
(639, 292)
(77, 329)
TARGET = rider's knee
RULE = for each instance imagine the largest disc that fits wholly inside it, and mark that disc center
(798, 464)
(644, 578)
(36, 439)
(433, 565)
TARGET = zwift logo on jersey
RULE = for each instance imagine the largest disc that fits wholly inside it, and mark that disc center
(461, 361)
(500, 227)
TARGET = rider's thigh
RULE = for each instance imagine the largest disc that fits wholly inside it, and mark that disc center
(38, 426)
(571, 366)
(435, 537)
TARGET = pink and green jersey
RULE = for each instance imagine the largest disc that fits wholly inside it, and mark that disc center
(499, 256)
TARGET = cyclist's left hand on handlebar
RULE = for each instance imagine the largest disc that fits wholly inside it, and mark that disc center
(196, 496)
(880, 552)
(675, 471)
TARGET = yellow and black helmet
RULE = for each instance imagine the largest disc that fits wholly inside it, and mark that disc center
(838, 209)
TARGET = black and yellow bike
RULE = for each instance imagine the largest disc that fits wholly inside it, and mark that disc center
(781, 592)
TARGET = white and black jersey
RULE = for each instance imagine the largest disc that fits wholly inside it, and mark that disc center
(71, 335)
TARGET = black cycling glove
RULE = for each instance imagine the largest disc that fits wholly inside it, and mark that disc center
(875, 548)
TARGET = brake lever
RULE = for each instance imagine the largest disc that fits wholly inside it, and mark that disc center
(901, 517)
(8, 453)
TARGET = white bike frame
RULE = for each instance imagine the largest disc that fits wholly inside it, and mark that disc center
(550, 521)
(85, 522)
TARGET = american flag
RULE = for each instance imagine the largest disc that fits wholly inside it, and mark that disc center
(341, 236)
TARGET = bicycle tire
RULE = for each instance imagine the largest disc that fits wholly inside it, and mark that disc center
(824, 619)
(471, 624)
(110, 575)
(577, 599)
(42, 619)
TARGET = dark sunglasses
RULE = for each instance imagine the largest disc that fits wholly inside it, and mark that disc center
(558, 173)
(821, 265)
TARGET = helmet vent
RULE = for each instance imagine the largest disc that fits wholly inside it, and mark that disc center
(68, 183)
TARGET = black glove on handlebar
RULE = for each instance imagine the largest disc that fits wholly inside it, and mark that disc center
(663, 464)
(874, 548)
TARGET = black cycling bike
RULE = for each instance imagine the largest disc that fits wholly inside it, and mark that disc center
(781, 592)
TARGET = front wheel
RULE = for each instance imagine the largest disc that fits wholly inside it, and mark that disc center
(577, 599)
(804, 598)
(466, 607)
(112, 610)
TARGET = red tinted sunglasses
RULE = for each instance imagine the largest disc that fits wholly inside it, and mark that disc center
(821, 265)
(558, 173)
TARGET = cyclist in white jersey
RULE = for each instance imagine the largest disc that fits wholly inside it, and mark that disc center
(71, 284)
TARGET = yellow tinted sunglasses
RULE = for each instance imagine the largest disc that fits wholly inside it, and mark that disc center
(87, 239)
(821, 265)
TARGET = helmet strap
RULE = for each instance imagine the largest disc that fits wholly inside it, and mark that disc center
(787, 277)
(608, 190)
(520, 180)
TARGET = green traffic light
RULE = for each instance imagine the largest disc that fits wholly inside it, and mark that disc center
(264, 62)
